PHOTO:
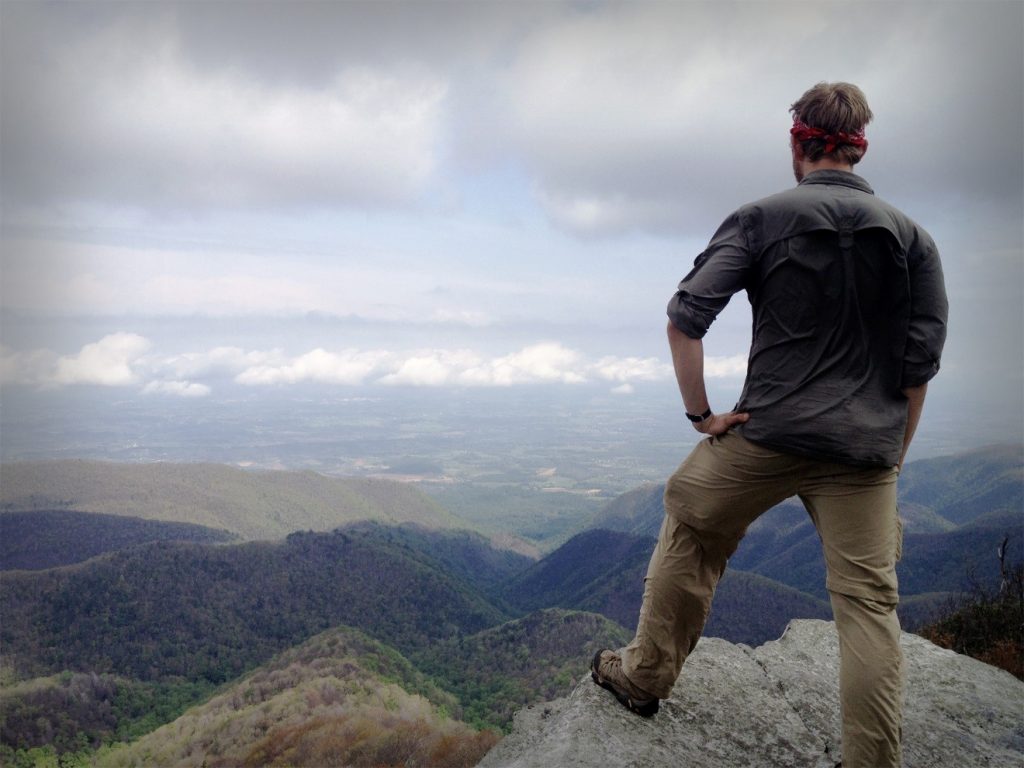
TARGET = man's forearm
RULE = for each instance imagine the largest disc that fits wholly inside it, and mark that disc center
(915, 405)
(688, 361)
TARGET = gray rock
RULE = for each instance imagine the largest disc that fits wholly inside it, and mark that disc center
(776, 705)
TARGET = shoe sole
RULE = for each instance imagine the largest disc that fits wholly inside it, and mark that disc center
(645, 708)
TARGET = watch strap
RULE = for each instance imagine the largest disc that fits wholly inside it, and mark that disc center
(699, 419)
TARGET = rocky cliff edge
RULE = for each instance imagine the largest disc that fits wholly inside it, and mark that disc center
(775, 705)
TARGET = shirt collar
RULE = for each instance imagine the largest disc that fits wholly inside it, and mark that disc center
(842, 178)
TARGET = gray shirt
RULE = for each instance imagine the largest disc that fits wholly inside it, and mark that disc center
(849, 308)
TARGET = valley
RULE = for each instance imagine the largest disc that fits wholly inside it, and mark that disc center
(206, 613)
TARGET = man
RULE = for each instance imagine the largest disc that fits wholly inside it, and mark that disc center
(849, 313)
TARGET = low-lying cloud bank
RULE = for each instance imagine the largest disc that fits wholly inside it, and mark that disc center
(129, 360)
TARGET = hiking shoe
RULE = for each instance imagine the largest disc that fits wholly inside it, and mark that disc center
(606, 669)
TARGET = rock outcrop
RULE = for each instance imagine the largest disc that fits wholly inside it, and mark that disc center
(775, 705)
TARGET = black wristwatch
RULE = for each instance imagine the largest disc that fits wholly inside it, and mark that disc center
(699, 419)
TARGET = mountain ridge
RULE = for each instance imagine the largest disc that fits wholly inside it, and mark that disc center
(41, 539)
(209, 612)
(255, 505)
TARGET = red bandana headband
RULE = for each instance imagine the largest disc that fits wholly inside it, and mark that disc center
(801, 131)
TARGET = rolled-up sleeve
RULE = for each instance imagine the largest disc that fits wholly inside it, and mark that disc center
(929, 312)
(719, 272)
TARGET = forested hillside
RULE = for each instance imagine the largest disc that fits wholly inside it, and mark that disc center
(340, 698)
(603, 571)
(209, 613)
(463, 554)
(966, 486)
(180, 618)
(80, 711)
(575, 572)
(536, 658)
(638, 512)
(49, 538)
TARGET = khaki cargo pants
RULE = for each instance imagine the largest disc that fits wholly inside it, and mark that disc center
(721, 488)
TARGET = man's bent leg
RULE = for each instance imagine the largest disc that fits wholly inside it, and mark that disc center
(718, 491)
(680, 583)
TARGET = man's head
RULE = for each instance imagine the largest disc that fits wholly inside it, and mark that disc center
(828, 123)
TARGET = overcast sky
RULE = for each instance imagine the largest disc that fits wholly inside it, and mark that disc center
(465, 194)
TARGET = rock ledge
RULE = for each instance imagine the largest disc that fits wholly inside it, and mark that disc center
(775, 705)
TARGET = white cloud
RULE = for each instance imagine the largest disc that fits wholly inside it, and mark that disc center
(539, 363)
(226, 360)
(349, 367)
(108, 362)
(179, 388)
(624, 369)
(121, 359)
(420, 371)
(432, 368)
(31, 367)
(544, 362)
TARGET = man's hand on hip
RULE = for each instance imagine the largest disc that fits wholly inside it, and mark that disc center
(720, 423)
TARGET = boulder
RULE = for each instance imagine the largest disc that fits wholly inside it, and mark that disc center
(775, 705)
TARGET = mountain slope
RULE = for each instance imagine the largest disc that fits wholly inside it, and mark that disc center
(253, 505)
(935, 495)
(932, 562)
(463, 554)
(638, 512)
(571, 575)
(209, 613)
(50, 538)
(70, 712)
(968, 485)
(535, 658)
(340, 698)
(603, 572)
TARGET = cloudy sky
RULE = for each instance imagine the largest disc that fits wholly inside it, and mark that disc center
(198, 195)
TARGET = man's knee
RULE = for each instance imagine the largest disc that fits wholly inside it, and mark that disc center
(700, 494)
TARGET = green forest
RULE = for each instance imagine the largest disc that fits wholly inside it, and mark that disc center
(138, 640)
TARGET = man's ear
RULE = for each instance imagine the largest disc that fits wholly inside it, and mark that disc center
(797, 148)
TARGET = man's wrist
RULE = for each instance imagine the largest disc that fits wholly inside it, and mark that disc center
(698, 419)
